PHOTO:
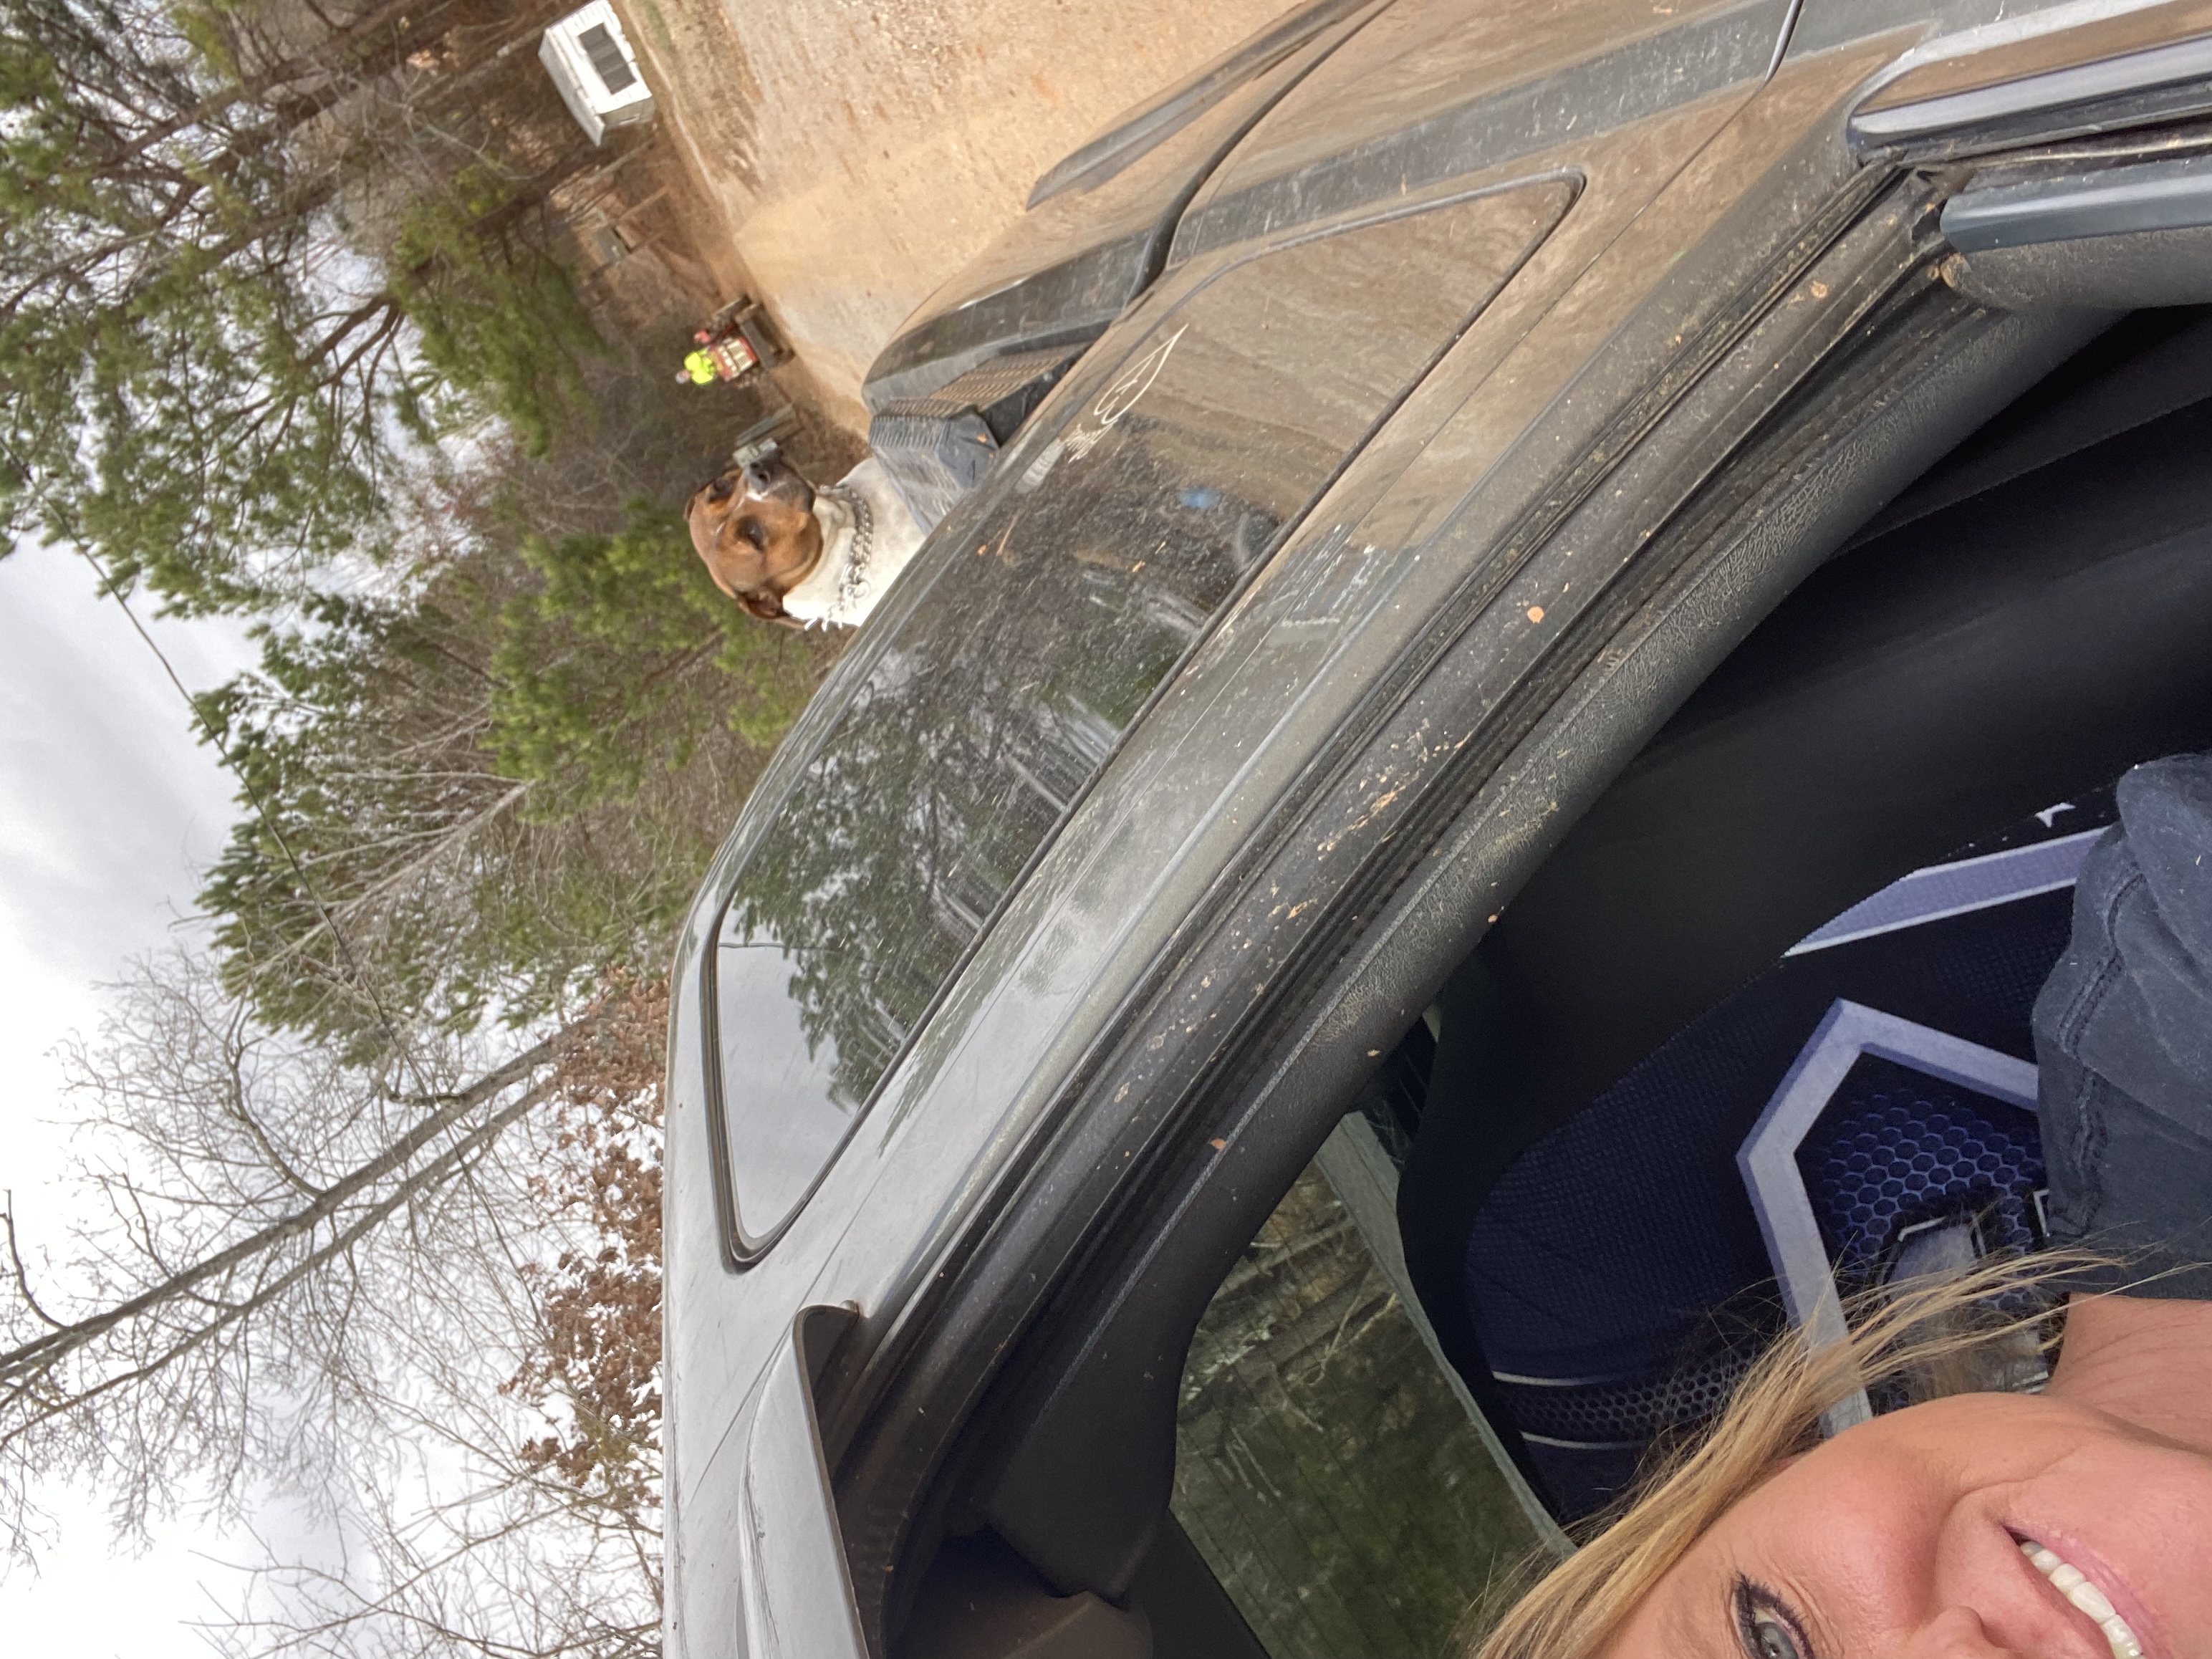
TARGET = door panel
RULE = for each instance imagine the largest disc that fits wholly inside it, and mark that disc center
(757, 1543)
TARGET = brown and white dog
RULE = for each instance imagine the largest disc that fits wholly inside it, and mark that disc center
(790, 553)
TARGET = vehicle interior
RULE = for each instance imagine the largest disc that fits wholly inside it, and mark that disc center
(1526, 1252)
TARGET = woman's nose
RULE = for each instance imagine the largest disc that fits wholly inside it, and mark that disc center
(1955, 1632)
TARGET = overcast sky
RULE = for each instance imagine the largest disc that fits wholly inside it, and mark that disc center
(108, 810)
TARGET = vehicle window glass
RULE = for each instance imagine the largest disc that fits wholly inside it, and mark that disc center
(1327, 1470)
(1077, 586)
(783, 1071)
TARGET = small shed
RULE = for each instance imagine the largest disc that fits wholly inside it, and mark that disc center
(591, 61)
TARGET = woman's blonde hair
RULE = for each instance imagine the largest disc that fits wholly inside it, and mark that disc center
(1924, 1336)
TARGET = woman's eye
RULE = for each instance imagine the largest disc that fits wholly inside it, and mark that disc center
(1770, 1640)
(1765, 1630)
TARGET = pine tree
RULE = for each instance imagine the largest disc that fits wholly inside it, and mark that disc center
(232, 282)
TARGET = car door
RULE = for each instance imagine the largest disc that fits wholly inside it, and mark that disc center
(1430, 672)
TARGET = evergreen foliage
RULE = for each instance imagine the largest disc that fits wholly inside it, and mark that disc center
(238, 262)
(479, 801)
(499, 323)
(604, 649)
(475, 787)
(282, 332)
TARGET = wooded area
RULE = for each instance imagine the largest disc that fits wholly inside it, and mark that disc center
(294, 327)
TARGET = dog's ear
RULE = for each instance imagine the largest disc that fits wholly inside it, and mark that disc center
(716, 490)
(703, 539)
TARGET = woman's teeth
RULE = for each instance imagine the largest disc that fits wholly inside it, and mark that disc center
(2076, 1588)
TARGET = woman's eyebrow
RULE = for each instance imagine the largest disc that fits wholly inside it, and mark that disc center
(1694, 1619)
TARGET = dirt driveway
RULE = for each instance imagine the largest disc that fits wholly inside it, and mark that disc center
(859, 152)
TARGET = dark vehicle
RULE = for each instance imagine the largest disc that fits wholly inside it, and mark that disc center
(1530, 608)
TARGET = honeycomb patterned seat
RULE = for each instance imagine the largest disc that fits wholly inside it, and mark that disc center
(1616, 1278)
(1899, 1153)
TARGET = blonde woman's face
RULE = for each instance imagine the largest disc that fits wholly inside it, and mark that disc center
(1902, 1539)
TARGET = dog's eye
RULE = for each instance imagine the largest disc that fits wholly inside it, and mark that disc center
(721, 490)
(751, 530)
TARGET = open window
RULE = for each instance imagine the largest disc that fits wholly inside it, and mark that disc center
(1336, 1490)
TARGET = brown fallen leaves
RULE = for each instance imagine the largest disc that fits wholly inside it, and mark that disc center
(600, 1308)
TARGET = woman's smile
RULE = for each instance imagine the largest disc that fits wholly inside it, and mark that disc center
(1971, 1528)
(2084, 1596)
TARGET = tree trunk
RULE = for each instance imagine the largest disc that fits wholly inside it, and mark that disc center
(22, 1370)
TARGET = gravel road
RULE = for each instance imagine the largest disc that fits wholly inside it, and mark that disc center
(858, 152)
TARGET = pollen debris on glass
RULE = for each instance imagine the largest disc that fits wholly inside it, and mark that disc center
(1535, 613)
(1218, 1144)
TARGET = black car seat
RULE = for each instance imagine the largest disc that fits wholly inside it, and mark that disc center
(2030, 620)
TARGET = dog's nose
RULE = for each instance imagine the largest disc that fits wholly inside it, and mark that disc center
(758, 478)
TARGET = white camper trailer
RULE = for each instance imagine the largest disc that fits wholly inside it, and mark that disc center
(591, 61)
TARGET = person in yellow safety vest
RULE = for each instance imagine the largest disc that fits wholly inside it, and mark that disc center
(728, 357)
